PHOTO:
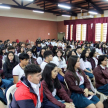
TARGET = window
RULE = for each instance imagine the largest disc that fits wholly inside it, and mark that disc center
(71, 32)
(81, 32)
(104, 33)
(67, 28)
(78, 32)
(98, 32)
(101, 32)
(84, 32)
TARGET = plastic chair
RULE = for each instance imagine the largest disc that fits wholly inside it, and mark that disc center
(102, 96)
(11, 91)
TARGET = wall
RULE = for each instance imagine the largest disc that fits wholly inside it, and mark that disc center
(61, 27)
(22, 29)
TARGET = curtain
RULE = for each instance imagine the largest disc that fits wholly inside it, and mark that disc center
(69, 32)
(74, 32)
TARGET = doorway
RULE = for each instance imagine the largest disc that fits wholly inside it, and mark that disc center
(60, 35)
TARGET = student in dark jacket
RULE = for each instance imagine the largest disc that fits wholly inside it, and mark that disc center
(93, 58)
(80, 86)
(7, 70)
(52, 89)
(29, 93)
(101, 75)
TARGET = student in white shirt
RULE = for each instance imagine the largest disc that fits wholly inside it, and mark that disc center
(85, 65)
(43, 44)
(98, 49)
(59, 60)
(34, 52)
(72, 45)
(40, 59)
(21, 50)
(78, 51)
(18, 70)
(48, 55)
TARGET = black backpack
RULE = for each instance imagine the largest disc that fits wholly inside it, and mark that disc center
(105, 102)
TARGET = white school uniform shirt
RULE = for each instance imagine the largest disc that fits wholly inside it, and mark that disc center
(47, 43)
(43, 64)
(63, 46)
(54, 92)
(81, 78)
(36, 90)
(18, 54)
(18, 71)
(99, 51)
(60, 44)
(72, 46)
(39, 60)
(102, 67)
(78, 55)
(55, 44)
(96, 61)
(60, 64)
(52, 43)
(43, 45)
(85, 64)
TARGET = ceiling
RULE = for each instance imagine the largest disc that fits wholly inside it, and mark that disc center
(51, 6)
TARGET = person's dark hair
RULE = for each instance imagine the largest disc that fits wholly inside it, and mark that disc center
(20, 49)
(92, 53)
(1, 50)
(101, 58)
(71, 67)
(34, 52)
(103, 48)
(97, 46)
(27, 44)
(11, 65)
(29, 50)
(70, 54)
(69, 47)
(47, 77)
(1, 41)
(78, 47)
(61, 53)
(47, 53)
(40, 55)
(82, 45)
(54, 50)
(83, 54)
(31, 69)
(10, 48)
(23, 56)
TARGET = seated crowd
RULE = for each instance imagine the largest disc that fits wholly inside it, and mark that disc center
(53, 73)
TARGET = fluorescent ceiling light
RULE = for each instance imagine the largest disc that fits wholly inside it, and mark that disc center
(38, 11)
(28, 0)
(64, 6)
(92, 12)
(5, 7)
(66, 15)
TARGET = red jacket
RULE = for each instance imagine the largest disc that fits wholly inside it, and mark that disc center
(101, 76)
(25, 96)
